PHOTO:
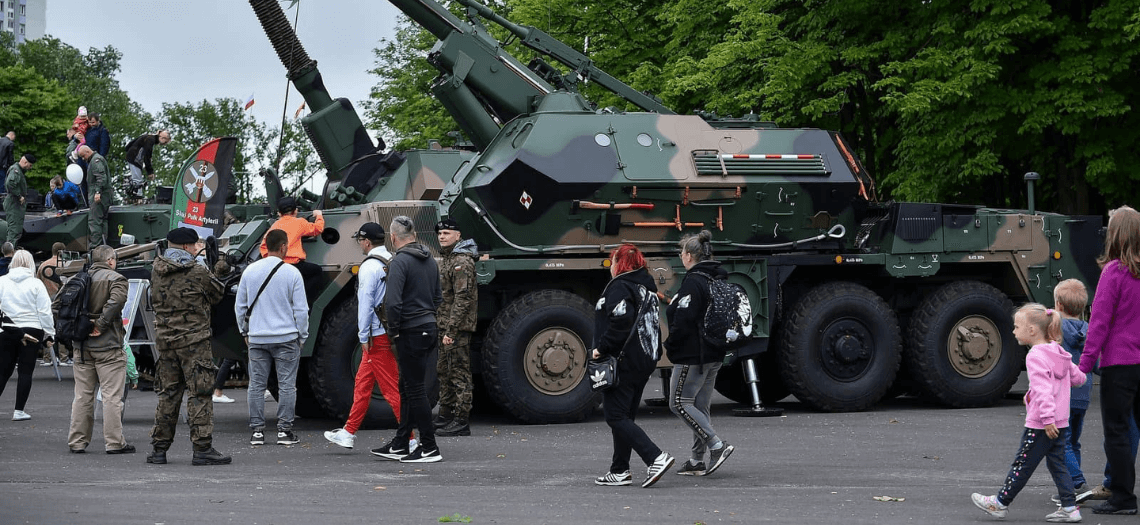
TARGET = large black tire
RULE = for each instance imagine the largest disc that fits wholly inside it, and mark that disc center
(534, 358)
(332, 370)
(730, 382)
(840, 348)
(960, 345)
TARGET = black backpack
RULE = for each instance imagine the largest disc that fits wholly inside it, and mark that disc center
(728, 316)
(72, 323)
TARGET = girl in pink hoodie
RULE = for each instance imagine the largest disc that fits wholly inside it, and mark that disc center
(1051, 375)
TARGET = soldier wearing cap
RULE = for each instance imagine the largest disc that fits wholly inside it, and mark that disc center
(183, 292)
(456, 317)
(16, 184)
(296, 228)
(377, 358)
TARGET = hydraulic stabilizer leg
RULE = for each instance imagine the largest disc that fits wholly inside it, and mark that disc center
(757, 409)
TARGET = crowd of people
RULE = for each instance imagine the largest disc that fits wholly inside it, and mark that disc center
(88, 143)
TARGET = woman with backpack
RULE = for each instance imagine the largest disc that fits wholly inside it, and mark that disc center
(695, 362)
(627, 326)
(25, 301)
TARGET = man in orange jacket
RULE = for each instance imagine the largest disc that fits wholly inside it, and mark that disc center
(296, 228)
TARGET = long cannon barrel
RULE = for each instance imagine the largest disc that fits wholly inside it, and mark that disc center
(333, 126)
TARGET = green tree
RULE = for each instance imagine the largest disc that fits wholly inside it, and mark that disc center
(91, 80)
(36, 109)
(400, 105)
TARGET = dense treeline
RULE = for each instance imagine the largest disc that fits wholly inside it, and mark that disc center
(945, 101)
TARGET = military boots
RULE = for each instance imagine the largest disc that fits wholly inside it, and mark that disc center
(210, 457)
(457, 427)
(157, 457)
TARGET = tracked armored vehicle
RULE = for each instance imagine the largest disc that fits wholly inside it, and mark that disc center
(850, 295)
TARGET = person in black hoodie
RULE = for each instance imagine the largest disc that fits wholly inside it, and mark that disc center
(695, 363)
(410, 301)
(627, 326)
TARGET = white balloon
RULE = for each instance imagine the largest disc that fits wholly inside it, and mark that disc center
(75, 174)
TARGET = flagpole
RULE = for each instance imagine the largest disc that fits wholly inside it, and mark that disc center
(285, 106)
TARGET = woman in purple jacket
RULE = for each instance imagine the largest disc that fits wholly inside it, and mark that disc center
(1114, 339)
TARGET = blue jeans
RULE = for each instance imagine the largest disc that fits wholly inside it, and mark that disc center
(1073, 445)
(691, 389)
(1035, 446)
(287, 357)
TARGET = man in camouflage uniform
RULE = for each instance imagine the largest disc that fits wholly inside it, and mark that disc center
(100, 196)
(16, 184)
(183, 292)
(456, 317)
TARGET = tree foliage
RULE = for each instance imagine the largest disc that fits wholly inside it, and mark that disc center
(944, 101)
(37, 109)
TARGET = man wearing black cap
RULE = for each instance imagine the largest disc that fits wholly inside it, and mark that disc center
(16, 183)
(456, 318)
(377, 360)
(296, 228)
(182, 292)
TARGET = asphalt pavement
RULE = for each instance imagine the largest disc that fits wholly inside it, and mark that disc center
(804, 467)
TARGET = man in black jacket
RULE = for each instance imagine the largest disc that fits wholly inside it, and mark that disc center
(7, 146)
(412, 296)
(138, 156)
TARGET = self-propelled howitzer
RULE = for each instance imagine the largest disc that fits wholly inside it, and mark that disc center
(844, 289)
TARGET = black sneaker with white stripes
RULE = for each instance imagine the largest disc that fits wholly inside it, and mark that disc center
(257, 438)
(615, 480)
(419, 455)
(391, 451)
(660, 465)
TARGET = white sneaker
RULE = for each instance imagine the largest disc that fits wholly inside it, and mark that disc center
(660, 465)
(340, 437)
(223, 399)
(20, 415)
(269, 395)
(413, 445)
(989, 504)
(1065, 516)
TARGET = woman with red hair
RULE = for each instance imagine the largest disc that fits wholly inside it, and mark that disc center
(627, 326)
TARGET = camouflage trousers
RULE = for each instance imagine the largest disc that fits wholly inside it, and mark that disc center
(454, 371)
(191, 370)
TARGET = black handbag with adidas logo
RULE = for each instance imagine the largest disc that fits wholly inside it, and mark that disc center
(602, 372)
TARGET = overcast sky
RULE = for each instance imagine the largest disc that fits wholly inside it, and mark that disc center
(179, 51)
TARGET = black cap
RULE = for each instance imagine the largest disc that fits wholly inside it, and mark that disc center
(370, 231)
(182, 236)
(30, 158)
(286, 204)
(447, 224)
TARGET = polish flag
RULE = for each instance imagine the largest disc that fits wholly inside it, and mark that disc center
(249, 103)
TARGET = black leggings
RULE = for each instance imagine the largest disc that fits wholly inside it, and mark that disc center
(13, 352)
(223, 373)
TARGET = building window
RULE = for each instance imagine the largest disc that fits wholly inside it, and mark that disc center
(21, 29)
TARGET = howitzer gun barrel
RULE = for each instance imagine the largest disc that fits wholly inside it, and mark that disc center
(432, 16)
(292, 54)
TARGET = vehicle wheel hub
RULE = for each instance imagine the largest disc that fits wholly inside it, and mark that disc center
(974, 346)
(847, 349)
(555, 360)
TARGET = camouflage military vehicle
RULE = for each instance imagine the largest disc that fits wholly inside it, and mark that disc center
(850, 295)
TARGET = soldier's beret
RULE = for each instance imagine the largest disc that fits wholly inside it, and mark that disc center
(182, 236)
(370, 231)
(30, 158)
(447, 224)
(286, 204)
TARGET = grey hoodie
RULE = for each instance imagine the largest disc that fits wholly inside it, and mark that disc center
(413, 288)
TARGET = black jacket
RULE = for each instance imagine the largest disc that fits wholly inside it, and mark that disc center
(139, 152)
(686, 316)
(413, 291)
(6, 159)
(616, 314)
(99, 139)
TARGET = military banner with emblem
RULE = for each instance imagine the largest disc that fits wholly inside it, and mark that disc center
(202, 187)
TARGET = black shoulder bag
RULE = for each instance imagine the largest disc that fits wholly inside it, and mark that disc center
(602, 372)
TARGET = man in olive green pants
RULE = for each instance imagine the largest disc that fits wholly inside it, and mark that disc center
(100, 196)
(16, 184)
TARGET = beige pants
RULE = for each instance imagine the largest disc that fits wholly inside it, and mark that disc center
(108, 371)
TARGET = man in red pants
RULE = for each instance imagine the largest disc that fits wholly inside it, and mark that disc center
(378, 360)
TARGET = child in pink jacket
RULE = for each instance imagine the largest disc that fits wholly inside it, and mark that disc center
(1051, 375)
